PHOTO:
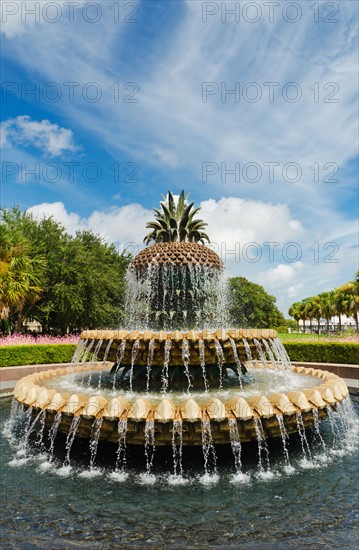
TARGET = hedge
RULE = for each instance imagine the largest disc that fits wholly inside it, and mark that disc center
(36, 354)
(323, 352)
(308, 352)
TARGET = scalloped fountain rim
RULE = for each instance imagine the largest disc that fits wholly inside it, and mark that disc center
(309, 403)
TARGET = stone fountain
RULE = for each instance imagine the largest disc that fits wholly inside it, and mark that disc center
(173, 376)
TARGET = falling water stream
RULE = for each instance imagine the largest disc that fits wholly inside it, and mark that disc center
(186, 358)
(96, 428)
(237, 360)
(119, 357)
(202, 358)
(261, 353)
(151, 348)
(166, 360)
(134, 353)
(209, 452)
(177, 448)
(263, 453)
(121, 449)
(70, 438)
(235, 444)
(149, 445)
(220, 361)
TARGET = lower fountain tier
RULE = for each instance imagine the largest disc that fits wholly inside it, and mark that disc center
(195, 347)
(274, 410)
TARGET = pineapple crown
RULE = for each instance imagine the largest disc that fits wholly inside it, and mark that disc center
(175, 222)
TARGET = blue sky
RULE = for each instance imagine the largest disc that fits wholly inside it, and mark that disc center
(250, 106)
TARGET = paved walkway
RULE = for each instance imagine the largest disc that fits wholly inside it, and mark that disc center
(10, 375)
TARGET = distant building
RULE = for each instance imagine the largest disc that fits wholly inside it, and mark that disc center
(346, 322)
(32, 325)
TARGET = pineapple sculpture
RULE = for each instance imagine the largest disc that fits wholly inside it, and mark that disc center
(176, 281)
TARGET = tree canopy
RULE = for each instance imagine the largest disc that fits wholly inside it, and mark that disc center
(76, 282)
(251, 306)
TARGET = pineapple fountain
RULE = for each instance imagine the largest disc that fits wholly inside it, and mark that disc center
(172, 377)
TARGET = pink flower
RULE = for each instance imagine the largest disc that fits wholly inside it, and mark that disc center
(26, 339)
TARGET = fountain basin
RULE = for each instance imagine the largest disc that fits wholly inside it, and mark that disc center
(273, 410)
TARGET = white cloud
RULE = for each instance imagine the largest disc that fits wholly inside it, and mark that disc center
(280, 276)
(168, 158)
(70, 220)
(18, 16)
(123, 225)
(234, 220)
(231, 221)
(49, 138)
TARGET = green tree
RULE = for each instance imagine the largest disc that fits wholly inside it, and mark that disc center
(21, 277)
(176, 222)
(290, 324)
(339, 305)
(326, 300)
(83, 282)
(251, 306)
(347, 296)
(309, 310)
(296, 311)
(315, 309)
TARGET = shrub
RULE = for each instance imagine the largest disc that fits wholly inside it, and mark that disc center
(281, 329)
(323, 352)
(34, 354)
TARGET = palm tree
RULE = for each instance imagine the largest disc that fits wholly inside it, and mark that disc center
(309, 311)
(327, 305)
(349, 296)
(296, 311)
(20, 276)
(340, 306)
(176, 222)
(315, 308)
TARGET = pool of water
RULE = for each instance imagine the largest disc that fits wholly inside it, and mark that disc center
(255, 382)
(313, 504)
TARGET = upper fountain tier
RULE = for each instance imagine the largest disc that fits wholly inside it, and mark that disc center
(176, 286)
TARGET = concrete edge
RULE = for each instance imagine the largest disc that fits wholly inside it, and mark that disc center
(10, 375)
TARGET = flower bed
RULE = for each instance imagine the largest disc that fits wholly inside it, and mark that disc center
(26, 339)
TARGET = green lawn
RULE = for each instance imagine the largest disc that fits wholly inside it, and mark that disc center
(337, 337)
(284, 336)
